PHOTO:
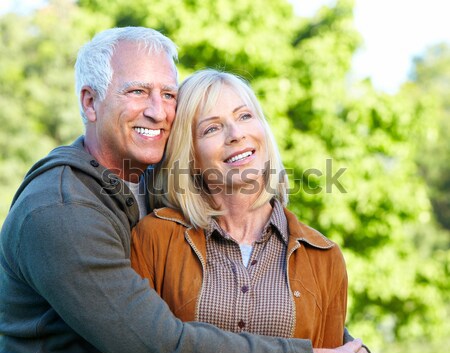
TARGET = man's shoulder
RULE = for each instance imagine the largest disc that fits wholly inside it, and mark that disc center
(64, 191)
(60, 203)
(55, 185)
(66, 173)
(49, 195)
(69, 181)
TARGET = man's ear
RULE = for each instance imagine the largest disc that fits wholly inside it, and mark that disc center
(87, 98)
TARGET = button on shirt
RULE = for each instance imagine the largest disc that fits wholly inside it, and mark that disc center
(255, 298)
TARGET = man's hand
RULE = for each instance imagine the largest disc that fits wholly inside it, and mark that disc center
(350, 347)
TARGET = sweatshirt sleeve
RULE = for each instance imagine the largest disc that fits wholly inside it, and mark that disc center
(74, 257)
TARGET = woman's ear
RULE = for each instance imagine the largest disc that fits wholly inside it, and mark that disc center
(87, 98)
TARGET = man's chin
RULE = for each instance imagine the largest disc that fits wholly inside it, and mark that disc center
(154, 159)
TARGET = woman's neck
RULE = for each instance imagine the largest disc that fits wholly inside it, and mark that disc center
(240, 221)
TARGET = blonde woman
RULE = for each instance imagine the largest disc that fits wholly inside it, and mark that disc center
(225, 250)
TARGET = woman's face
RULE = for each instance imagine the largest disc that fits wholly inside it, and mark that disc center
(230, 145)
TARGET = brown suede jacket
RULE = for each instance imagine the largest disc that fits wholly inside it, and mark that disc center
(171, 255)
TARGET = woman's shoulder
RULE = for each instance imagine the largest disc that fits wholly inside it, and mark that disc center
(304, 233)
(165, 215)
(161, 221)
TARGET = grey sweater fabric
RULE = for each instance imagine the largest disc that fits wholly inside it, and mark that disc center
(65, 275)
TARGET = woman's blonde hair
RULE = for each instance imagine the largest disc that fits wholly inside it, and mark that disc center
(180, 185)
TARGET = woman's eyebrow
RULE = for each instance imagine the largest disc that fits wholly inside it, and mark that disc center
(237, 108)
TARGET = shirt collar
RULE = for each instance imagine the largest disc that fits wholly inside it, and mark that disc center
(277, 221)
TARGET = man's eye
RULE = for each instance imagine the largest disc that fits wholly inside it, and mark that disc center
(137, 91)
(168, 96)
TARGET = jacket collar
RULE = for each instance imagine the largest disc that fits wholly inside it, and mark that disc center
(171, 214)
(276, 220)
(299, 232)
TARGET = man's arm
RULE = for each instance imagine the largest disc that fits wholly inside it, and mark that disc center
(73, 256)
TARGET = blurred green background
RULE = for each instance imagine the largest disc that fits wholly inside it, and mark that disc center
(391, 214)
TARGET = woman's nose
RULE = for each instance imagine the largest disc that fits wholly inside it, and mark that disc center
(234, 133)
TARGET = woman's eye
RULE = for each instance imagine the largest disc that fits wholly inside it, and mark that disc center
(246, 116)
(210, 130)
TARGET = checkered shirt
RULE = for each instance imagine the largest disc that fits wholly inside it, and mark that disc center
(256, 298)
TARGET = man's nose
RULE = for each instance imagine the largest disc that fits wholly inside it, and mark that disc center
(155, 108)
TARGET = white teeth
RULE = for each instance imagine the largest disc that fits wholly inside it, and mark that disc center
(147, 132)
(239, 156)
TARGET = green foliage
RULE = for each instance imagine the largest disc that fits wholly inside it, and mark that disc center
(429, 88)
(388, 155)
(432, 82)
(40, 110)
(21, 140)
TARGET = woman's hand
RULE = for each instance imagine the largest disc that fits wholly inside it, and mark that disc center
(354, 346)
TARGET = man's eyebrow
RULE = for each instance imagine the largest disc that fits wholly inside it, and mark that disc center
(137, 84)
(141, 84)
(172, 88)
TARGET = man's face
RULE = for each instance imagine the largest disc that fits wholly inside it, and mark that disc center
(128, 130)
